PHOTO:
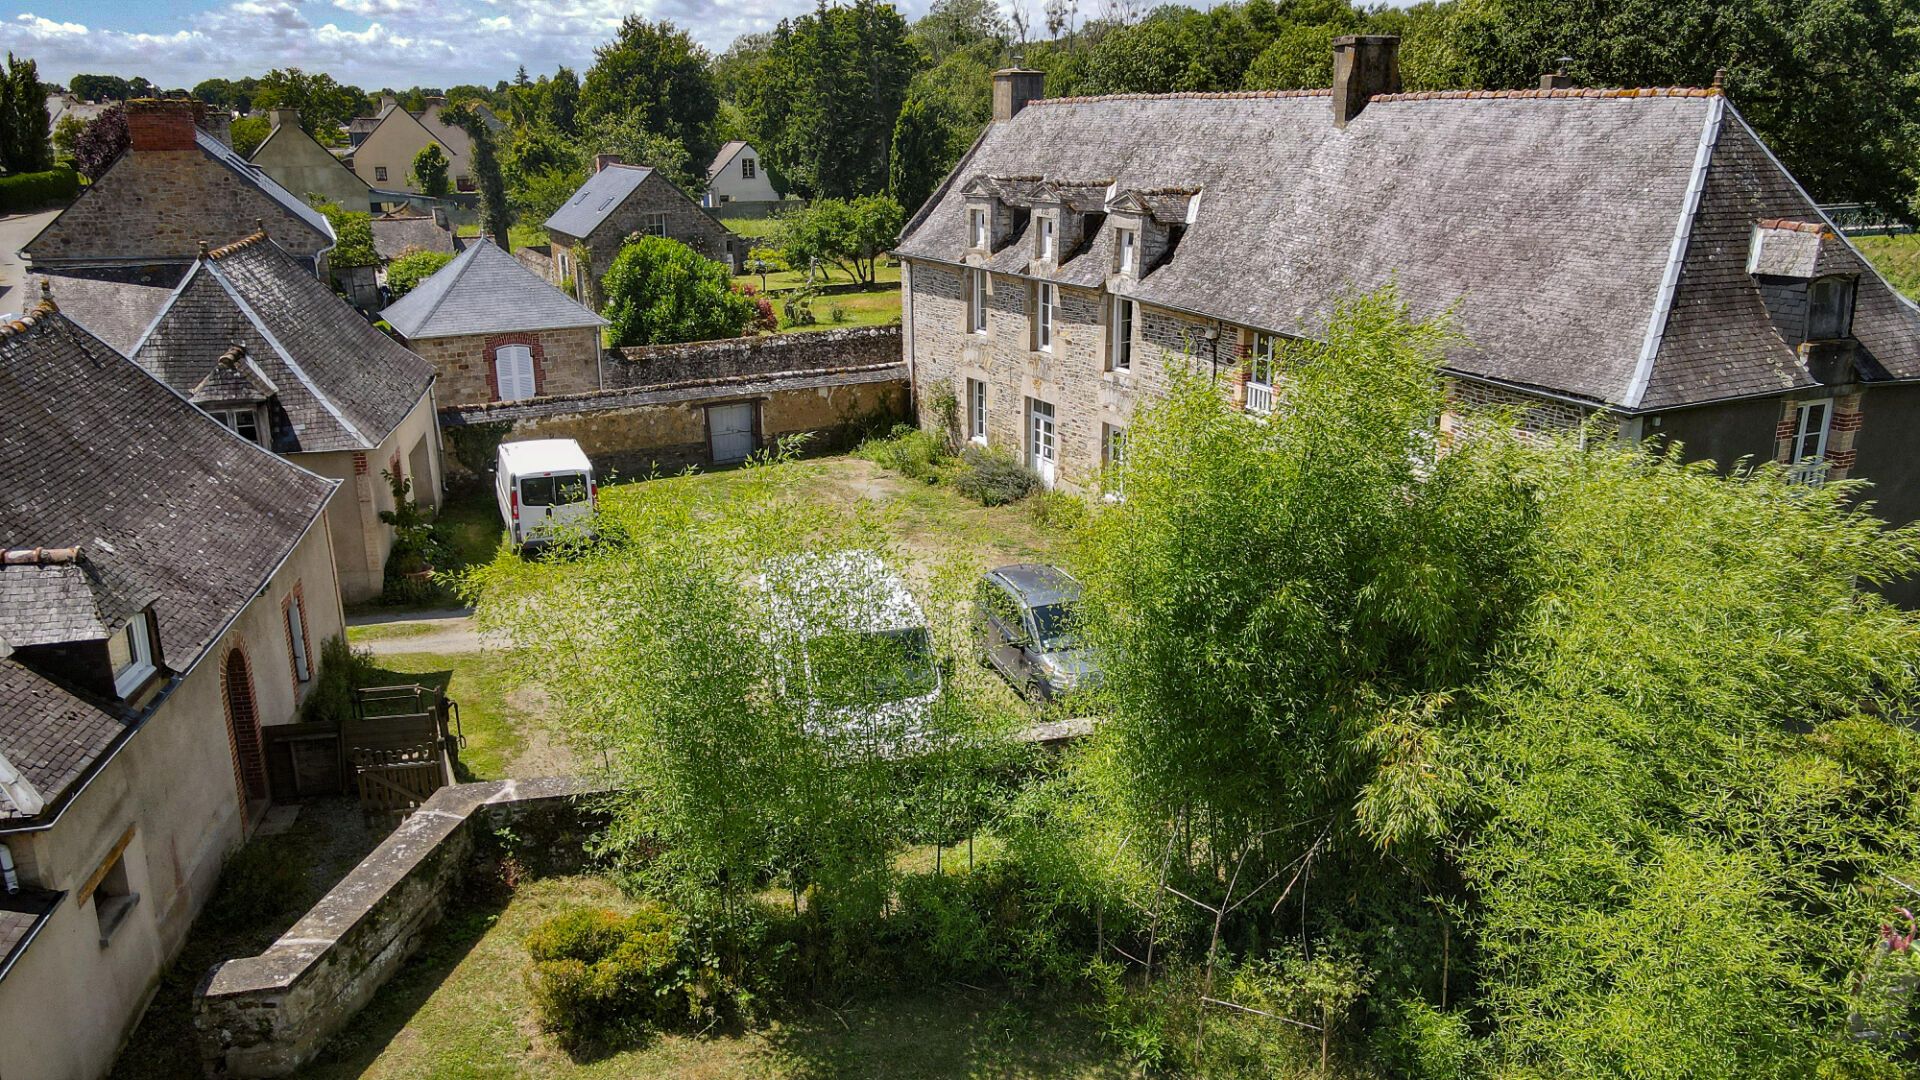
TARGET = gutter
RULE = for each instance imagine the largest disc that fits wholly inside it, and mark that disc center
(20, 947)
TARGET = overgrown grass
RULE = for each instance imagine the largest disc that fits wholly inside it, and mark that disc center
(520, 234)
(1896, 257)
(496, 725)
(877, 308)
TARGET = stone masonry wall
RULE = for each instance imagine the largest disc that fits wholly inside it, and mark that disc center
(564, 362)
(1534, 415)
(269, 1015)
(686, 222)
(660, 365)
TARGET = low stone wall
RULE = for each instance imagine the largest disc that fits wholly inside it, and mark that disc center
(268, 1015)
(768, 354)
(643, 430)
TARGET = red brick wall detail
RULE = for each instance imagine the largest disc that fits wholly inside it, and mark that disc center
(243, 728)
(532, 342)
(160, 125)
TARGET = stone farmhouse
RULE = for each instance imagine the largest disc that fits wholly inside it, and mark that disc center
(384, 145)
(737, 176)
(164, 592)
(1633, 253)
(174, 186)
(619, 201)
(494, 331)
(302, 166)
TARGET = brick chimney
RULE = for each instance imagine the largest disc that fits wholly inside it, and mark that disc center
(601, 161)
(285, 117)
(1363, 65)
(1014, 88)
(153, 124)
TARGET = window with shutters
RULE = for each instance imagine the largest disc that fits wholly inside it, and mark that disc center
(513, 373)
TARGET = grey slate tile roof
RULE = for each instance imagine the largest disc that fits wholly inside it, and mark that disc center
(596, 199)
(115, 305)
(484, 290)
(394, 235)
(182, 505)
(20, 914)
(342, 384)
(1550, 220)
(88, 598)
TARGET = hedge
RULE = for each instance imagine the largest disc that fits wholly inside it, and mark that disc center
(31, 191)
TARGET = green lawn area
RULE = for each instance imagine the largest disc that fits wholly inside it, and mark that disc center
(1896, 257)
(498, 718)
(829, 275)
(460, 1009)
(881, 308)
(753, 228)
(519, 234)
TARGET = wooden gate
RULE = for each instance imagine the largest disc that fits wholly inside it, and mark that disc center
(393, 783)
(401, 746)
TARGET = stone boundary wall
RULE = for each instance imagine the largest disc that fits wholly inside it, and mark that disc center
(269, 1015)
(769, 354)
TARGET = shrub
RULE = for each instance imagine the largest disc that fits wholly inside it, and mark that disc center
(910, 451)
(660, 291)
(405, 273)
(993, 477)
(1057, 511)
(259, 882)
(342, 670)
(599, 975)
(30, 191)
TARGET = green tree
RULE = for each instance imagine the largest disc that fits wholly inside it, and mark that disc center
(353, 233)
(654, 75)
(849, 234)
(66, 135)
(496, 215)
(823, 101)
(325, 105)
(660, 291)
(430, 171)
(101, 87)
(26, 138)
(624, 137)
(921, 151)
(249, 132)
(410, 268)
(952, 25)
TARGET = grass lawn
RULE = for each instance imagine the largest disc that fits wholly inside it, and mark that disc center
(753, 228)
(879, 308)
(1896, 257)
(829, 275)
(519, 234)
(460, 1008)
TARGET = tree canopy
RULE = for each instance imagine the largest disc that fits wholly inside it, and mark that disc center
(325, 106)
(850, 234)
(26, 136)
(659, 291)
(430, 170)
(653, 74)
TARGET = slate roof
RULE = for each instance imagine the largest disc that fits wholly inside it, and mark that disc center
(114, 304)
(176, 502)
(484, 290)
(727, 150)
(20, 915)
(1595, 242)
(54, 596)
(235, 379)
(396, 234)
(342, 384)
(596, 199)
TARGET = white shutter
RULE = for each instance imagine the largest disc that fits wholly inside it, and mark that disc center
(513, 372)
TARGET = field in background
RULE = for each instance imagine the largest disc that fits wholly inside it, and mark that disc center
(1897, 258)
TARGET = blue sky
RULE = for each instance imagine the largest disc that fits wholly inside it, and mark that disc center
(371, 43)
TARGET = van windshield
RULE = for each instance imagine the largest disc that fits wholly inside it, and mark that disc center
(556, 490)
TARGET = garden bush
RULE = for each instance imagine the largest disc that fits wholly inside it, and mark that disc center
(405, 273)
(910, 451)
(342, 670)
(31, 191)
(598, 975)
(993, 477)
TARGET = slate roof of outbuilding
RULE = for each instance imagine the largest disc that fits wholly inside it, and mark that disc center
(597, 199)
(181, 505)
(113, 308)
(484, 290)
(1591, 244)
(396, 234)
(342, 384)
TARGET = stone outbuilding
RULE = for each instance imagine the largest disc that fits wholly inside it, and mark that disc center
(620, 201)
(263, 346)
(165, 592)
(495, 332)
(298, 163)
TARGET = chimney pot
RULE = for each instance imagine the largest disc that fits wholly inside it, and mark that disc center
(219, 124)
(601, 161)
(1014, 89)
(1363, 65)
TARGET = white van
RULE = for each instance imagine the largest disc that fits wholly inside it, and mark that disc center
(543, 485)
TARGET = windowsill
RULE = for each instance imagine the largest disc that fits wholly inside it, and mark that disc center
(978, 440)
(132, 679)
(113, 912)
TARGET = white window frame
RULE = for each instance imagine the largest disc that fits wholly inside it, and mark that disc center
(977, 229)
(137, 635)
(1046, 238)
(1046, 299)
(516, 391)
(230, 418)
(1807, 453)
(976, 301)
(1128, 241)
(1120, 334)
(1260, 373)
(297, 638)
(977, 411)
(655, 224)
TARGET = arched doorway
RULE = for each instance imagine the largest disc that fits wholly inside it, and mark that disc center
(243, 731)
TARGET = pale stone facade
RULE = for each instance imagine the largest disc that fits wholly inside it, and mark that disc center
(302, 166)
(579, 263)
(170, 804)
(360, 541)
(565, 361)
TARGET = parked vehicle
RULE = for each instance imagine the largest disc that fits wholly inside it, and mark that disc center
(853, 643)
(544, 486)
(1024, 616)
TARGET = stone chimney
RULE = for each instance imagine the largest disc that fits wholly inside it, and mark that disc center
(387, 101)
(601, 161)
(153, 124)
(1014, 88)
(285, 117)
(219, 124)
(1363, 65)
(1557, 79)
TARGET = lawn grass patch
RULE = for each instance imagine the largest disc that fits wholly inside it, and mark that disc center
(880, 307)
(1897, 258)
(496, 727)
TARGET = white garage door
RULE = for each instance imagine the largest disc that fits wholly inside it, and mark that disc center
(731, 429)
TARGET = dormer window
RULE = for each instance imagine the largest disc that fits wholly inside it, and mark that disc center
(1829, 308)
(130, 651)
(977, 229)
(1047, 238)
(1128, 243)
(242, 422)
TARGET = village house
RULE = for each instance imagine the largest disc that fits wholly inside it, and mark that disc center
(165, 590)
(495, 332)
(619, 201)
(302, 166)
(737, 176)
(1633, 253)
(175, 186)
(401, 232)
(384, 145)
